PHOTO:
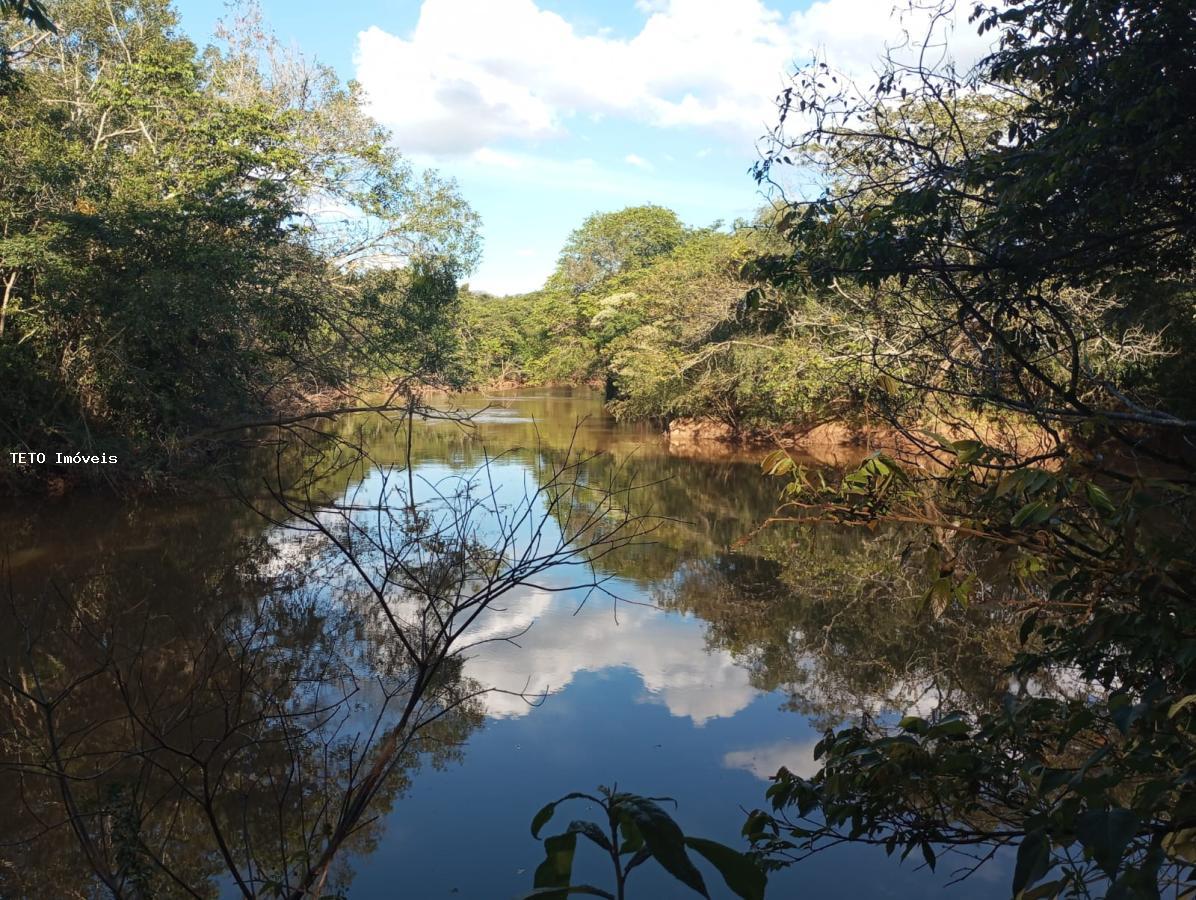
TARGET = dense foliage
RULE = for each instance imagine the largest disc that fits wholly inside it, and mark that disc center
(636, 829)
(996, 260)
(1019, 237)
(673, 323)
(187, 238)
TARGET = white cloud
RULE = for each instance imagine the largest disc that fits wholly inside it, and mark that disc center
(639, 162)
(765, 761)
(478, 72)
(671, 659)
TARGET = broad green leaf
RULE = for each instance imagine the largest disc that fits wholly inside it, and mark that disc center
(557, 868)
(592, 831)
(1098, 498)
(938, 595)
(1033, 513)
(1044, 891)
(1107, 833)
(1008, 483)
(953, 725)
(1027, 628)
(1033, 860)
(541, 818)
(739, 871)
(967, 451)
(632, 839)
(778, 462)
(665, 840)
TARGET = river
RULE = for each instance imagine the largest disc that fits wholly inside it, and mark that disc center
(142, 631)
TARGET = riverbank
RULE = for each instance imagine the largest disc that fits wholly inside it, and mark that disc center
(177, 463)
(844, 442)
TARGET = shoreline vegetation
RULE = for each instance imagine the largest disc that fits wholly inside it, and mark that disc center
(194, 237)
(987, 276)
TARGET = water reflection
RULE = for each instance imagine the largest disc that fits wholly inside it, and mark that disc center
(203, 700)
(669, 657)
(168, 738)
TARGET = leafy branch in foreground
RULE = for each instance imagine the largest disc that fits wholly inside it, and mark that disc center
(1085, 763)
(636, 830)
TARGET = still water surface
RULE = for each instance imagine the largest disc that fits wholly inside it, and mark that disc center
(698, 679)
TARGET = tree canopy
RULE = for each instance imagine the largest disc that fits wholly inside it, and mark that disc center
(187, 238)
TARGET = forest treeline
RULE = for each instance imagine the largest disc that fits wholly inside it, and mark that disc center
(189, 238)
(671, 321)
(197, 238)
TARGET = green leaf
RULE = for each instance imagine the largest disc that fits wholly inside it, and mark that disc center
(1033, 513)
(1045, 890)
(778, 462)
(632, 839)
(928, 854)
(1008, 483)
(554, 893)
(1098, 498)
(541, 818)
(1107, 833)
(664, 839)
(1027, 629)
(741, 873)
(557, 868)
(592, 831)
(967, 451)
(1033, 860)
(953, 725)
(938, 595)
(940, 440)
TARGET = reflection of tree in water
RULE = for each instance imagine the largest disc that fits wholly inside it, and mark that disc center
(240, 713)
(709, 503)
(839, 621)
(165, 738)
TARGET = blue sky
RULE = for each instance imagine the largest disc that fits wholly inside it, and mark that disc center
(548, 110)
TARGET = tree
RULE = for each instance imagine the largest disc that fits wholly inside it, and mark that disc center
(608, 244)
(251, 739)
(31, 11)
(165, 260)
(1036, 212)
(1012, 241)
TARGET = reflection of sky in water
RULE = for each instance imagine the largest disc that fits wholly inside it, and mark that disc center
(632, 694)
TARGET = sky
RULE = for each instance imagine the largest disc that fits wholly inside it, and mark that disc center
(546, 111)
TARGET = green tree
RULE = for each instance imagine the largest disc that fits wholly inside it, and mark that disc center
(1014, 240)
(608, 244)
(165, 260)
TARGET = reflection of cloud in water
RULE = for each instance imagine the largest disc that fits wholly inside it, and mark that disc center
(666, 650)
(766, 760)
(496, 417)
